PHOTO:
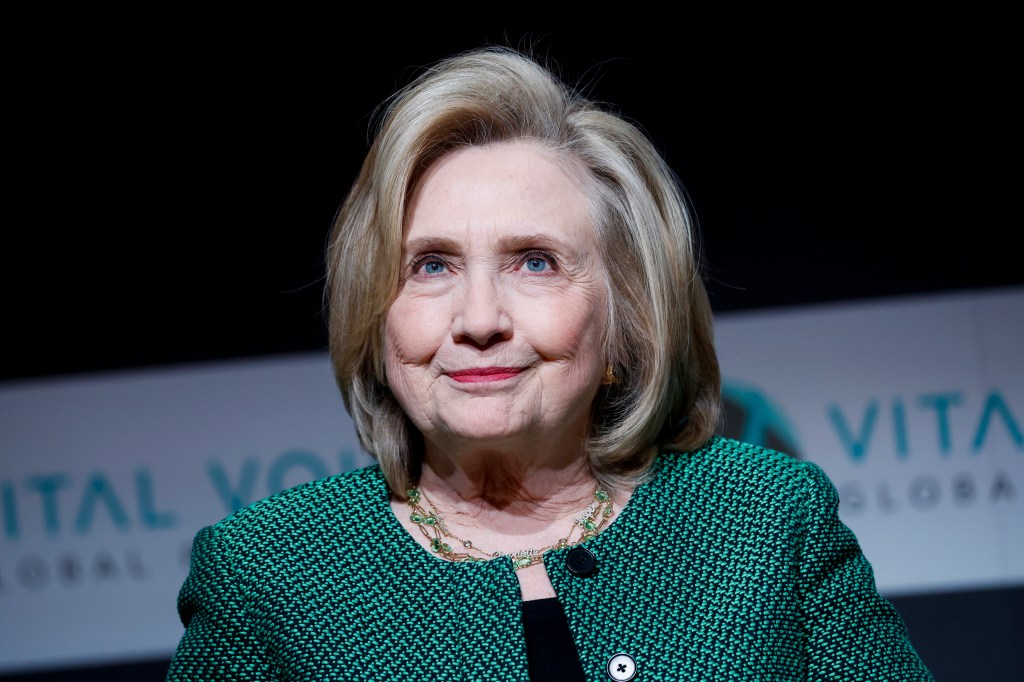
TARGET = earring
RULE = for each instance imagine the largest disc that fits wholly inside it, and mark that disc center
(609, 376)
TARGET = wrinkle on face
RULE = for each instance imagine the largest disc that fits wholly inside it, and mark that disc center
(479, 213)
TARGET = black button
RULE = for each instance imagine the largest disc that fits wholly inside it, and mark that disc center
(580, 561)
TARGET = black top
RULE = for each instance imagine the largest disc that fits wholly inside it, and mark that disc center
(550, 651)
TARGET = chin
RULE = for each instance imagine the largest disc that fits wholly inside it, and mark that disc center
(482, 419)
(484, 431)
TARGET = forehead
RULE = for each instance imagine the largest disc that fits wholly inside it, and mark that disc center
(507, 186)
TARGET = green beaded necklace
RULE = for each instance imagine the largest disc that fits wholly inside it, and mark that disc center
(590, 522)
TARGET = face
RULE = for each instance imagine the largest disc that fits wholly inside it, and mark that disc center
(497, 332)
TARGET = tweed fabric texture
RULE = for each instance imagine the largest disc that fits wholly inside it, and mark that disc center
(730, 563)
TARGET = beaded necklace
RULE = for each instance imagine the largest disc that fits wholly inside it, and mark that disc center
(429, 521)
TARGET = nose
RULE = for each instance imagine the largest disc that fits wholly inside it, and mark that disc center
(481, 317)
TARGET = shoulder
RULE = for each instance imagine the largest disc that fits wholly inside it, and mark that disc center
(308, 506)
(741, 469)
(727, 455)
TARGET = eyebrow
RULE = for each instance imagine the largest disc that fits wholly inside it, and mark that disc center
(526, 241)
(423, 244)
(506, 244)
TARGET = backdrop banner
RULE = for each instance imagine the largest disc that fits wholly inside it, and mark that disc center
(913, 406)
(915, 409)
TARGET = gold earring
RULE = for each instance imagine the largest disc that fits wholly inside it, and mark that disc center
(609, 376)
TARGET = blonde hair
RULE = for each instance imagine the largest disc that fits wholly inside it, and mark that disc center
(660, 336)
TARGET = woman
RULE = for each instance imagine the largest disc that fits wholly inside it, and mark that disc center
(520, 332)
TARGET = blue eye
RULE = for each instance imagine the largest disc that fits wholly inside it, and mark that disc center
(433, 267)
(536, 264)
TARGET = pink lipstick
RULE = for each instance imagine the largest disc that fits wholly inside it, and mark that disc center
(480, 374)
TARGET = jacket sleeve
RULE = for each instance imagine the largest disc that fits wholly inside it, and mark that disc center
(220, 641)
(852, 632)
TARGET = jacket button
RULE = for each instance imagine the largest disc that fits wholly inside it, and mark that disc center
(580, 561)
(622, 668)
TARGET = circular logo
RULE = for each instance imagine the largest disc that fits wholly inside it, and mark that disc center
(750, 416)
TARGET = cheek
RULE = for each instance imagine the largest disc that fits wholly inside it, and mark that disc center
(571, 329)
(412, 333)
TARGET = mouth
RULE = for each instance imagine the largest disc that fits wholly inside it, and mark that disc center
(477, 375)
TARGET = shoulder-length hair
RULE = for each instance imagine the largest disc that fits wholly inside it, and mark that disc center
(659, 341)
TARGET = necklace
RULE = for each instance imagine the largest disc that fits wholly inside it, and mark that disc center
(429, 521)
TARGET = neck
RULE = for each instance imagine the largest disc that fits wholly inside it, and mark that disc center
(536, 474)
(492, 485)
(490, 502)
(513, 519)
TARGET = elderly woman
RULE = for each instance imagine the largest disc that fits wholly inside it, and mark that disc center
(520, 332)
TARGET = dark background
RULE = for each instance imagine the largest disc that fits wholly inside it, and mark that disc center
(170, 187)
(171, 182)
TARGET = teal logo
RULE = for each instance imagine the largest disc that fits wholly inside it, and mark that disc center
(751, 417)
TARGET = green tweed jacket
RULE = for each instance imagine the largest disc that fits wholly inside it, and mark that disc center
(729, 564)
